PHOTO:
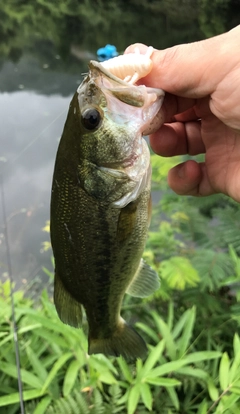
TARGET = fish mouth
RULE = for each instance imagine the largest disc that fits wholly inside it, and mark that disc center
(97, 66)
(133, 95)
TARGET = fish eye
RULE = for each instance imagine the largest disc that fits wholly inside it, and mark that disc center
(91, 119)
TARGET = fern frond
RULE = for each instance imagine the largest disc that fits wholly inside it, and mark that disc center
(81, 401)
(227, 230)
(213, 267)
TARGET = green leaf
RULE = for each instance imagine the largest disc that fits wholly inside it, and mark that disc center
(236, 344)
(184, 340)
(167, 335)
(163, 382)
(42, 405)
(107, 377)
(173, 397)
(234, 372)
(203, 407)
(22, 330)
(150, 332)
(14, 397)
(168, 368)
(125, 369)
(224, 371)
(27, 377)
(193, 372)
(152, 358)
(146, 395)
(201, 356)
(235, 390)
(179, 326)
(133, 398)
(56, 367)
(213, 392)
(70, 377)
(36, 364)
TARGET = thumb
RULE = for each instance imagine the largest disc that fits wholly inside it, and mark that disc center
(193, 70)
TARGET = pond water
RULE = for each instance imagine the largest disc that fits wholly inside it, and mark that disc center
(34, 102)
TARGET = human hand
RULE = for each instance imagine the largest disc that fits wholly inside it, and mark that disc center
(201, 111)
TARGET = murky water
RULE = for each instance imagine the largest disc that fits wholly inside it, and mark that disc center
(34, 102)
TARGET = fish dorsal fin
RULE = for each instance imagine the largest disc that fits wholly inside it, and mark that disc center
(145, 281)
(68, 309)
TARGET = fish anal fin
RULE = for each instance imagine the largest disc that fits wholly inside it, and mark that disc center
(68, 309)
(145, 281)
(125, 341)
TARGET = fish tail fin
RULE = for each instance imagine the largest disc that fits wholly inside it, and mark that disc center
(125, 341)
(68, 309)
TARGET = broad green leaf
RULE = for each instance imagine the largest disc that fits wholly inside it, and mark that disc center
(149, 331)
(107, 377)
(27, 377)
(224, 371)
(101, 364)
(146, 395)
(184, 340)
(235, 390)
(20, 331)
(201, 356)
(173, 397)
(104, 361)
(125, 369)
(168, 338)
(179, 326)
(213, 392)
(70, 377)
(193, 372)
(14, 397)
(152, 358)
(229, 401)
(170, 319)
(42, 405)
(139, 365)
(51, 324)
(133, 398)
(168, 368)
(37, 365)
(203, 407)
(56, 367)
(163, 382)
(234, 372)
(53, 338)
(236, 344)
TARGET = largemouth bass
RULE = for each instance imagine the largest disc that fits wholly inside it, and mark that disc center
(101, 207)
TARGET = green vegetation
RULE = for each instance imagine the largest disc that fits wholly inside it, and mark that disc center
(191, 326)
(31, 26)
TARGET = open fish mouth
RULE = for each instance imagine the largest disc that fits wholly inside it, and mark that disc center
(137, 95)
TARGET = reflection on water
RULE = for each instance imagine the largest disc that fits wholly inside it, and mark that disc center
(31, 125)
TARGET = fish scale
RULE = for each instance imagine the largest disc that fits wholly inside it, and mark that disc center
(100, 210)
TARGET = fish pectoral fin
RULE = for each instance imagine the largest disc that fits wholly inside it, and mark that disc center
(145, 281)
(68, 309)
(125, 341)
